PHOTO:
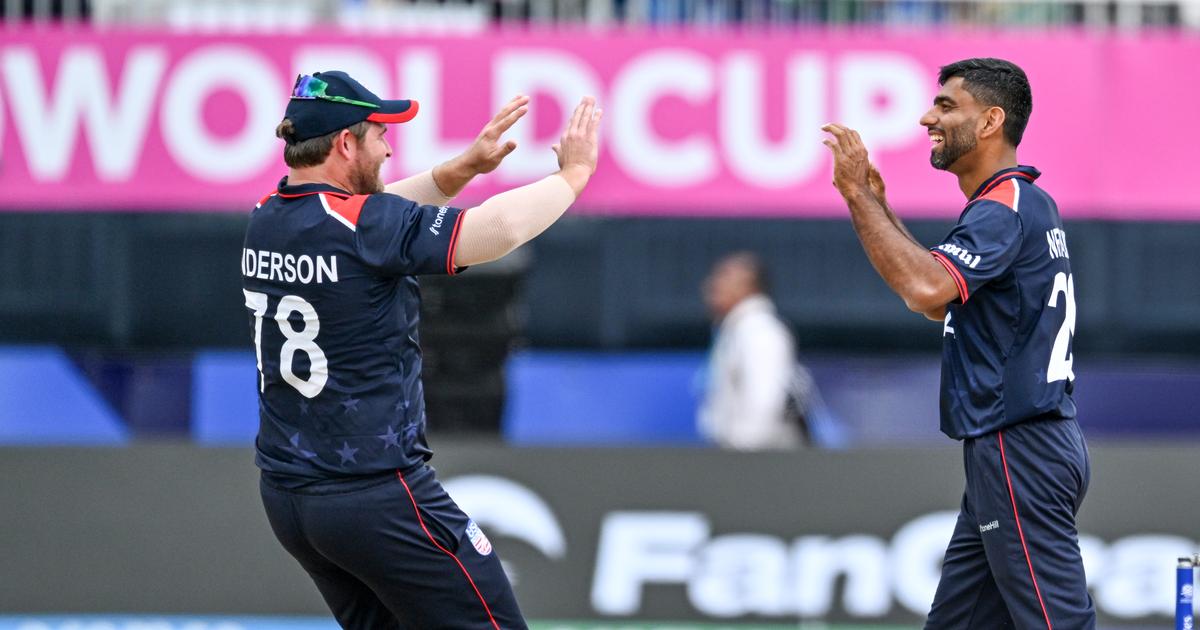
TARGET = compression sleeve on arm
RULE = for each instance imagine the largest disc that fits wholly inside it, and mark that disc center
(420, 188)
(510, 219)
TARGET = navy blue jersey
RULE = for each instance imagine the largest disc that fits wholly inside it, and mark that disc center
(334, 306)
(1006, 352)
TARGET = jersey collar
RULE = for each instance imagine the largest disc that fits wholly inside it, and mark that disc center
(300, 190)
(1025, 172)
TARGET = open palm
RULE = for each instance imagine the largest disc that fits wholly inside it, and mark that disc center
(489, 149)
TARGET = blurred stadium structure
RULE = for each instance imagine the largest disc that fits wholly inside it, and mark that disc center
(469, 15)
(120, 310)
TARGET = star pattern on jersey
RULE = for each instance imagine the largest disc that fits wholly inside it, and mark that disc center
(400, 405)
(295, 441)
(390, 439)
(304, 407)
(347, 453)
(350, 404)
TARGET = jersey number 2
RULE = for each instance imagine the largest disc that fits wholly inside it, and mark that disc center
(303, 340)
(1061, 359)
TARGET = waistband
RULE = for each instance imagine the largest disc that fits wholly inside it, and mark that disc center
(341, 485)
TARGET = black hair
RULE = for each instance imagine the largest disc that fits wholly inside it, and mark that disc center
(996, 83)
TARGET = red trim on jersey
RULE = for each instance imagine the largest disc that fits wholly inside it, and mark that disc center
(1006, 195)
(955, 275)
(1003, 179)
(265, 198)
(451, 268)
(402, 117)
(1021, 532)
(315, 192)
(420, 520)
(349, 207)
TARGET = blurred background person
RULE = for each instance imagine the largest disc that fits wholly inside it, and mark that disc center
(751, 364)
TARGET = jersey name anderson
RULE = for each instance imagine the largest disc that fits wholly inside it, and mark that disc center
(278, 267)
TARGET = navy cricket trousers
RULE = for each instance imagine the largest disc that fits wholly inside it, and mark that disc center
(393, 551)
(1014, 561)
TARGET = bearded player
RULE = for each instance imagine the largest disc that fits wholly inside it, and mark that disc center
(330, 272)
(1001, 283)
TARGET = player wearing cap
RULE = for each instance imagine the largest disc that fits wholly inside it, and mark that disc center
(329, 274)
(1001, 282)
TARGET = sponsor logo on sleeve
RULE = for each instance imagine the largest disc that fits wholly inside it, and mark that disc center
(436, 228)
(954, 251)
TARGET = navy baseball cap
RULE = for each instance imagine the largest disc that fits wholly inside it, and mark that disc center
(325, 102)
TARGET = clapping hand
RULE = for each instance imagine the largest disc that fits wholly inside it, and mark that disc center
(851, 166)
(488, 150)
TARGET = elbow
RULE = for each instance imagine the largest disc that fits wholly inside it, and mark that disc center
(506, 238)
(923, 299)
(510, 236)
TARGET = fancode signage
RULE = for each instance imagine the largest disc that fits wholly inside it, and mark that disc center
(612, 536)
(695, 124)
(655, 559)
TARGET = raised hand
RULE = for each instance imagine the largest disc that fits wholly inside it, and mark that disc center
(851, 166)
(488, 151)
(578, 149)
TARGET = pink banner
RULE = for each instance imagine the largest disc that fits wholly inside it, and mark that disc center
(715, 124)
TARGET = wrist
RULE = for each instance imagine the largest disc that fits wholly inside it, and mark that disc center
(453, 175)
(577, 177)
(858, 195)
(463, 166)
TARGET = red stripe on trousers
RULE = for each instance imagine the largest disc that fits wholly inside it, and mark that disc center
(420, 520)
(1021, 533)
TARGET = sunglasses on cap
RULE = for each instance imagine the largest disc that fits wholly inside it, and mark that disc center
(309, 87)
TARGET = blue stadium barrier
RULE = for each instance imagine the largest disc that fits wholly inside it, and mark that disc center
(578, 398)
(602, 398)
(44, 399)
(224, 403)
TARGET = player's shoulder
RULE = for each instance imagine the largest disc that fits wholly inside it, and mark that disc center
(348, 209)
(266, 198)
(1005, 193)
(387, 199)
(383, 200)
(381, 210)
(993, 210)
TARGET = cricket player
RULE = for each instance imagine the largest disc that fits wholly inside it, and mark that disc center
(1001, 283)
(330, 270)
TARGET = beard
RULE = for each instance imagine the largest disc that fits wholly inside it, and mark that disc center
(365, 179)
(957, 143)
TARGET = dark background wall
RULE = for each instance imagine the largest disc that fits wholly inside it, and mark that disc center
(170, 281)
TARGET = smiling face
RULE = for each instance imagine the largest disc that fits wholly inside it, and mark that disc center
(952, 123)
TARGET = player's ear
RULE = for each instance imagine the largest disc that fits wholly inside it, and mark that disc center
(344, 143)
(993, 122)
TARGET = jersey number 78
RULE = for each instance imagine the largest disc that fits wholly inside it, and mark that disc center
(303, 340)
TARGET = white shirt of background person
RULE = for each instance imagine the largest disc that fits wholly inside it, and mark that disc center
(751, 363)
